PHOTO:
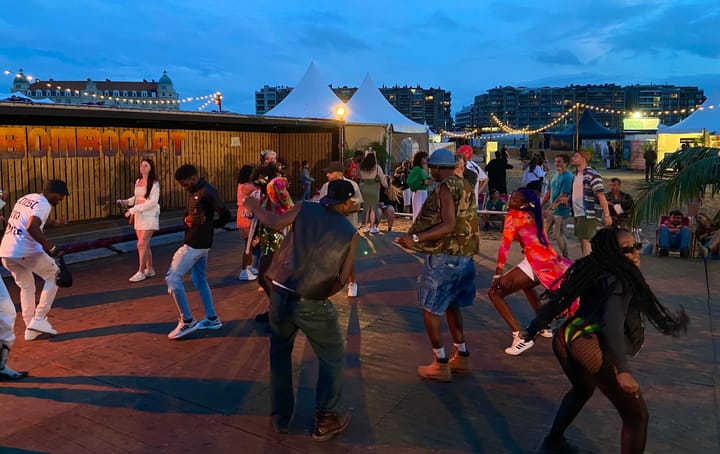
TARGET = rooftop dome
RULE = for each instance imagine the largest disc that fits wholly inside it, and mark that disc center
(165, 79)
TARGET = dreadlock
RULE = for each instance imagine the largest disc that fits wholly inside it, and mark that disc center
(606, 257)
(533, 206)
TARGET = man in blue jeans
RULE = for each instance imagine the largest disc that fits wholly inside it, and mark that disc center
(202, 204)
(313, 263)
(674, 234)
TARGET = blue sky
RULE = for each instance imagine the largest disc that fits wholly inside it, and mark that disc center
(466, 47)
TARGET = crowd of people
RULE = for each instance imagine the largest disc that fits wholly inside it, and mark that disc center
(302, 252)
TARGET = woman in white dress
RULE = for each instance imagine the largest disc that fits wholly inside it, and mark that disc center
(144, 211)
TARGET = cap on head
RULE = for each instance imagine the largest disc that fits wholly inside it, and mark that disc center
(338, 192)
(56, 187)
(442, 158)
(335, 166)
(466, 151)
(585, 154)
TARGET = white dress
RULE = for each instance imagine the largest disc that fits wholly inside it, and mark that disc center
(145, 211)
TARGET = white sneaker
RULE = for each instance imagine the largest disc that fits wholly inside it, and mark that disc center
(374, 229)
(42, 325)
(352, 290)
(547, 333)
(518, 346)
(253, 270)
(31, 335)
(150, 272)
(137, 277)
(246, 275)
(183, 329)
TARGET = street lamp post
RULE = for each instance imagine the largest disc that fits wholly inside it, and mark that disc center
(218, 100)
(340, 113)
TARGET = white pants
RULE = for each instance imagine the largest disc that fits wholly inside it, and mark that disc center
(418, 198)
(22, 270)
(7, 317)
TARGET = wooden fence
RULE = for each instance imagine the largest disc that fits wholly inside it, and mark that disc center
(100, 164)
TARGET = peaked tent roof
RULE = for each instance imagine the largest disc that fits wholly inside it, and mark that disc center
(590, 128)
(311, 98)
(707, 118)
(368, 105)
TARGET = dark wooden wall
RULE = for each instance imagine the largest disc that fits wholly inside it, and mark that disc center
(96, 181)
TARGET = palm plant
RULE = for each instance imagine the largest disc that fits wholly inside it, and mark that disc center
(683, 176)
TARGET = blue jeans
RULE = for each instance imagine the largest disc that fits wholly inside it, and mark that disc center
(678, 241)
(306, 192)
(446, 280)
(195, 260)
(318, 320)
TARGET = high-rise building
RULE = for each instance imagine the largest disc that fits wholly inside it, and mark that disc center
(268, 97)
(532, 108)
(144, 95)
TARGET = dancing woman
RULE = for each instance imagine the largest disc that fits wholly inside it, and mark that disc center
(524, 224)
(144, 207)
(595, 344)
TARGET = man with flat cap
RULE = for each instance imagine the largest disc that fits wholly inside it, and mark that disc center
(446, 229)
(336, 171)
(25, 251)
(312, 264)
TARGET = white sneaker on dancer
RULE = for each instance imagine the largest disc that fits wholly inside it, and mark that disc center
(352, 290)
(547, 333)
(519, 345)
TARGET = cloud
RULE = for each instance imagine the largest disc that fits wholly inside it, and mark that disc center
(559, 57)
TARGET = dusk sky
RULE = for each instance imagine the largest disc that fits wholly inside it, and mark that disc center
(466, 47)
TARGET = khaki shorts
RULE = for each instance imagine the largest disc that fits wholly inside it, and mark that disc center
(585, 227)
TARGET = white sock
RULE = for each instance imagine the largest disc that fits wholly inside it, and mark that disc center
(439, 352)
(516, 333)
(460, 347)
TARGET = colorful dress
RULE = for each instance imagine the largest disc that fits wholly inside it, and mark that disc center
(544, 261)
(277, 201)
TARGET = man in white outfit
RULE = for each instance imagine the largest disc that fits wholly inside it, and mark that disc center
(26, 251)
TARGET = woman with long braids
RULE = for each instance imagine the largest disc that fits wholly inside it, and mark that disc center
(595, 344)
(524, 224)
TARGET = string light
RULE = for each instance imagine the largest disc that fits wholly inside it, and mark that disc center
(118, 99)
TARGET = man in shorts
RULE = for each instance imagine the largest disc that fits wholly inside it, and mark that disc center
(447, 230)
(589, 205)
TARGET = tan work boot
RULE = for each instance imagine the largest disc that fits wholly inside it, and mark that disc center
(435, 371)
(459, 364)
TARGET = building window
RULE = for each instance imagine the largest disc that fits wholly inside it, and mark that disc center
(116, 92)
(125, 93)
(134, 94)
(143, 94)
(106, 92)
(38, 93)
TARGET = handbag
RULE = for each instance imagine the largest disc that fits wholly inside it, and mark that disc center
(64, 277)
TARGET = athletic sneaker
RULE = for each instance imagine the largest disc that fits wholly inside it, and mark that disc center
(352, 290)
(328, 424)
(7, 373)
(246, 275)
(183, 328)
(137, 277)
(518, 346)
(253, 270)
(206, 323)
(42, 325)
(547, 332)
(31, 335)
(150, 272)
(374, 229)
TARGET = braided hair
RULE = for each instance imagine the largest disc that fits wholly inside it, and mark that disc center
(606, 257)
(534, 207)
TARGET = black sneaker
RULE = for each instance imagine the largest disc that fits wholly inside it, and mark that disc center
(663, 252)
(328, 424)
(561, 446)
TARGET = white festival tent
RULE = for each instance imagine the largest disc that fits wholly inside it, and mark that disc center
(704, 121)
(311, 98)
(704, 118)
(371, 118)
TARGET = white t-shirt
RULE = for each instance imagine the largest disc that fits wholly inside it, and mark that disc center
(17, 242)
(578, 196)
(481, 175)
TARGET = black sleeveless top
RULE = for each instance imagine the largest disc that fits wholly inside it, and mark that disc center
(309, 259)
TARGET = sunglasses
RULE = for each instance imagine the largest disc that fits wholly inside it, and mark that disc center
(631, 249)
